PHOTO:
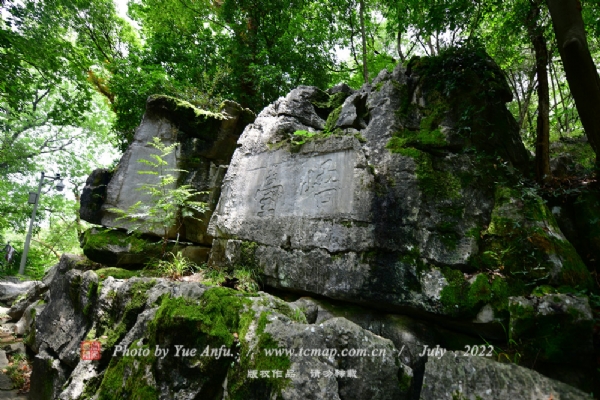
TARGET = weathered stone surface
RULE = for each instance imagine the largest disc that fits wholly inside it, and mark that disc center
(93, 195)
(3, 362)
(396, 207)
(83, 372)
(455, 376)
(47, 377)
(117, 248)
(25, 323)
(143, 313)
(578, 217)
(205, 141)
(33, 294)
(405, 198)
(15, 348)
(376, 377)
(554, 328)
(5, 382)
(63, 323)
(10, 291)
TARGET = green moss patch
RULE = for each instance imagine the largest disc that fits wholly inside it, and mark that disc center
(130, 377)
(220, 316)
(332, 119)
(100, 238)
(242, 387)
(464, 299)
(434, 183)
(112, 328)
(112, 247)
(189, 119)
(429, 136)
(523, 241)
(557, 335)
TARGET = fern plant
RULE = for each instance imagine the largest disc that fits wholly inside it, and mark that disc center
(169, 204)
(175, 267)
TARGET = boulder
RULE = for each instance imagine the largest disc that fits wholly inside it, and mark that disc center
(458, 376)
(162, 339)
(205, 142)
(554, 328)
(578, 215)
(47, 377)
(25, 323)
(407, 198)
(117, 248)
(11, 290)
(230, 333)
(33, 294)
(63, 323)
(93, 195)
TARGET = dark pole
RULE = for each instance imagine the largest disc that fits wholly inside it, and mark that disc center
(28, 239)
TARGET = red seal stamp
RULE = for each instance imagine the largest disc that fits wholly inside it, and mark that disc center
(90, 350)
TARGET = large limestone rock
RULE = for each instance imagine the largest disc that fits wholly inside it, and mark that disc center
(93, 195)
(404, 195)
(554, 328)
(459, 376)
(205, 143)
(117, 248)
(141, 314)
(12, 290)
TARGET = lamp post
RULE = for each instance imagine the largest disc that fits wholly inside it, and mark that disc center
(34, 199)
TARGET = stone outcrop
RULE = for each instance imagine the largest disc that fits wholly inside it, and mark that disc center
(403, 197)
(93, 195)
(117, 248)
(262, 347)
(11, 290)
(140, 314)
(553, 328)
(400, 212)
(205, 143)
(459, 376)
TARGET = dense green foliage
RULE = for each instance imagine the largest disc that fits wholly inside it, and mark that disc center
(75, 75)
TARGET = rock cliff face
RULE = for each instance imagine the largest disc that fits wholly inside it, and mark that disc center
(395, 220)
(401, 195)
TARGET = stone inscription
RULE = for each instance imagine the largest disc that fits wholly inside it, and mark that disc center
(280, 185)
(322, 184)
(269, 193)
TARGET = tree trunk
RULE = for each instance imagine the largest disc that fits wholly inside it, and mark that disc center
(364, 41)
(581, 72)
(542, 143)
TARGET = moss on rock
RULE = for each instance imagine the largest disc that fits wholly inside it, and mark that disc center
(112, 328)
(189, 119)
(434, 182)
(120, 273)
(220, 318)
(552, 328)
(464, 298)
(113, 247)
(523, 240)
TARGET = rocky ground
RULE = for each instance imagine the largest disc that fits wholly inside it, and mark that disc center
(12, 348)
(141, 314)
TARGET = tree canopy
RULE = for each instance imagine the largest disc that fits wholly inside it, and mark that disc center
(75, 73)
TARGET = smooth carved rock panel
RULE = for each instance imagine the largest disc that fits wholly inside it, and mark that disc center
(124, 188)
(281, 185)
